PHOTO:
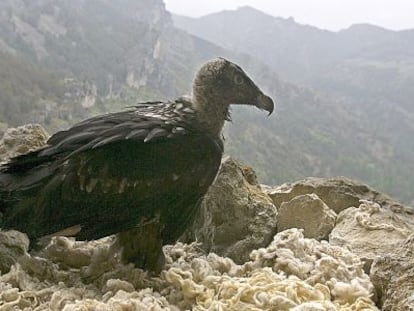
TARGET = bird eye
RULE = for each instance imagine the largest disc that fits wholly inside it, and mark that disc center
(238, 79)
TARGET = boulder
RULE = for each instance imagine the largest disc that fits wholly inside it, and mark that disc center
(236, 216)
(393, 277)
(21, 140)
(338, 193)
(371, 230)
(309, 213)
(13, 245)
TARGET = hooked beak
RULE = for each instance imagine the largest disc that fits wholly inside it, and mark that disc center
(265, 102)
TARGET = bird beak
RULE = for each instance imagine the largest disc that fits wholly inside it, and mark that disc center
(265, 102)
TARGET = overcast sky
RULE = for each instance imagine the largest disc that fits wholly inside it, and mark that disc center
(327, 14)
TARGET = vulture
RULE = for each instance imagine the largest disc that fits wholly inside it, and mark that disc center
(140, 173)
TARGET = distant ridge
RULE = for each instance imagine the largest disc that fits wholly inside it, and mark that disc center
(366, 71)
(347, 109)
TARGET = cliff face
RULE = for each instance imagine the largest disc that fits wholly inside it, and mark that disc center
(66, 60)
(257, 258)
(99, 40)
(63, 61)
(357, 121)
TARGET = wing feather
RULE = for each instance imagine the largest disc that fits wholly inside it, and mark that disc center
(137, 134)
(156, 133)
(109, 173)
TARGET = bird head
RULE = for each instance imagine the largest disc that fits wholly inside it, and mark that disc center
(221, 81)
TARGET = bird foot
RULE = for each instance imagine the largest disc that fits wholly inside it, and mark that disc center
(142, 246)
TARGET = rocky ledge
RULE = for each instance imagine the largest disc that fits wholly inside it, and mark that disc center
(316, 244)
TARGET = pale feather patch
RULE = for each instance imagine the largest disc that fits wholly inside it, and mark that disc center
(106, 185)
(140, 133)
(91, 185)
(107, 141)
(124, 183)
(82, 182)
(178, 130)
(155, 133)
(175, 177)
(188, 110)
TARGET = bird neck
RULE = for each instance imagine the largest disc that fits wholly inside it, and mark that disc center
(211, 111)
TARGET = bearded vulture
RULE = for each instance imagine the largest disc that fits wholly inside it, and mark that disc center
(143, 171)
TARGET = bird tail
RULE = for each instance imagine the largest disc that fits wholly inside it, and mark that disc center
(23, 163)
(21, 178)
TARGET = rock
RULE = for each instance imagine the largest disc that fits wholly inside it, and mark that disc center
(13, 245)
(309, 213)
(371, 230)
(236, 216)
(21, 140)
(68, 252)
(393, 277)
(338, 193)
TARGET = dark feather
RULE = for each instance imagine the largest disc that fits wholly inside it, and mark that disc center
(137, 134)
(109, 173)
(151, 164)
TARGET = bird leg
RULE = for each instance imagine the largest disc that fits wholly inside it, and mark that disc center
(143, 246)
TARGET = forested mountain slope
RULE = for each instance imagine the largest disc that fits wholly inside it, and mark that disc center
(365, 71)
(62, 61)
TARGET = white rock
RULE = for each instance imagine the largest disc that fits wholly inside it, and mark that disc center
(20, 140)
(236, 216)
(307, 212)
(371, 230)
(393, 277)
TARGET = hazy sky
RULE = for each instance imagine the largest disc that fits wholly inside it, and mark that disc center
(328, 14)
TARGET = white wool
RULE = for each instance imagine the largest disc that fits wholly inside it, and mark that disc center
(292, 273)
(123, 301)
(289, 273)
(315, 306)
(364, 219)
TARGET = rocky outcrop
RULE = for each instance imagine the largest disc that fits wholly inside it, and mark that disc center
(83, 92)
(370, 224)
(309, 213)
(338, 193)
(371, 230)
(244, 268)
(21, 140)
(393, 276)
(13, 245)
(236, 216)
(117, 51)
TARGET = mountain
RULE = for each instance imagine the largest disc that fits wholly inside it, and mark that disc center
(97, 55)
(364, 62)
(296, 51)
(365, 71)
(66, 60)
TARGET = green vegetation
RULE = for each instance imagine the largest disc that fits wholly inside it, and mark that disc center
(358, 121)
(23, 85)
(353, 114)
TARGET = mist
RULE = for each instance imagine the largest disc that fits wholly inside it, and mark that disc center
(325, 14)
(141, 199)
